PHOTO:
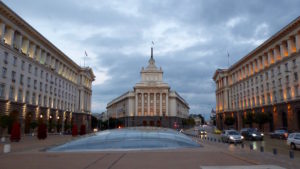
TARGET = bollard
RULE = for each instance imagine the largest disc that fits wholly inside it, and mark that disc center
(6, 148)
(274, 151)
(251, 147)
(291, 154)
(242, 145)
(262, 149)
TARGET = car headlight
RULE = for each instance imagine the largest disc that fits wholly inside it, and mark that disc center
(231, 137)
(242, 137)
(253, 134)
(262, 134)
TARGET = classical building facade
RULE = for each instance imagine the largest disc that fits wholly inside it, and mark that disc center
(38, 81)
(264, 81)
(151, 103)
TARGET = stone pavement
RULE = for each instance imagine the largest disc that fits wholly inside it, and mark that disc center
(30, 154)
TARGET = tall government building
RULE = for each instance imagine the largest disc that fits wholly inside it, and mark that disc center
(38, 81)
(151, 103)
(264, 81)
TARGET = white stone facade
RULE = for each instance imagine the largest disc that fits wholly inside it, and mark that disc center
(151, 97)
(35, 73)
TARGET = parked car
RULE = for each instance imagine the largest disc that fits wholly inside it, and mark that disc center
(231, 136)
(294, 140)
(281, 134)
(251, 134)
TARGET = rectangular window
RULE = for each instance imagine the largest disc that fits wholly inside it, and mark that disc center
(2, 89)
(4, 70)
(296, 90)
(20, 95)
(35, 84)
(42, 74)
(40, 100)
(11, 93)
(35, 71)
(5, 58)
(15, 61)
(33, 99)
(295, 76)
(45, 101)
(287, 79)
(29, 68)
(287, 67)
(294, 63)
(21, 79)
(28, 81)
(41, 86)
(23, 65)
(279, 82)
(278, 70)
(27, 97)
(13, 76)
(267, 75)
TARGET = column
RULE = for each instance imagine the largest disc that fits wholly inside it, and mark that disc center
(142, 104)
(136, 104)
(18, 41)
(25, 46)
(263, 61)
(291, 45)
(277, 55)
(298, 41)
(283, 49)
(270, 58)
(154, 104)
(38, 54)
(31, 51)
(160, 104)
(148, 111)
(167, 104)
(2, 30)
(9, 36)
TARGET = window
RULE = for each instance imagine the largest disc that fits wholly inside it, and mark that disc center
(41, 86)
(261, 77)
(273, 83)
(27, 97)
(46, 88)
(29, 68)
(278, 69)
(13, 76)
(4, 70)
(45, 101)
(288, 93)
(2, 89)
(21, 79)
(23, 65)
(35, 71)
(50, 100)
(287, 79)
(269, 98)
(33, 99)
(297, 90)
(40, 100)
(20, 95)
(28, 81)
(272, 72)
(5, 58)
(268, 87)
(287, 67)
(281, 94)
(267, 75)
(15, 61)
(294, 63)
(47, 77)
(295, 76)
(275, 96)
(42, 74)
(34, 84)
(279, 82)
(11, 93)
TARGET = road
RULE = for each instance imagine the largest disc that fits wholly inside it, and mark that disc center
(268, 143)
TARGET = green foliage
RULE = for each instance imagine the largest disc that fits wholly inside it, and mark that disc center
(229, 121)
(33, 125)
(261, 119)
(5, 121)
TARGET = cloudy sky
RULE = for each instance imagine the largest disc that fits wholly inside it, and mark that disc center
(191, 38)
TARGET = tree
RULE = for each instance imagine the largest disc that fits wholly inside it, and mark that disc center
(229, 121)
(33, 125)
(248, 119)
(261, 119)
(5, 121)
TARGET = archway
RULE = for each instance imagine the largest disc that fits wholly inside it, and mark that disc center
(28, 120)
(158, 124)
(151, 123)
(271, 122)
(284, 119)
(14, 117)
(144, 123)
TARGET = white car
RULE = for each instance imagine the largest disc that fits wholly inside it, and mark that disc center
(231, 136)
(294, 140)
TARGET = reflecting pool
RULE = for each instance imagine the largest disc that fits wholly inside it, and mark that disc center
(134, 138)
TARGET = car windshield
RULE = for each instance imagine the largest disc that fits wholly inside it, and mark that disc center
(253, 130)
(280, 131)
(233, 133)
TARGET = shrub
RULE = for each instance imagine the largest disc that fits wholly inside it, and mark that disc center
(42, 131)
(82, 129)
(74, 130)
(15, 132)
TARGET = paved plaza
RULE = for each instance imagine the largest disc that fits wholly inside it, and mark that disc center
(30, 153)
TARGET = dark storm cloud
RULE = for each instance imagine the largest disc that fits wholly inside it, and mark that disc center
(191, 37)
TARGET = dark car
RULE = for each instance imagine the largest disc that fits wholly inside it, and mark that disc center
(280, 134)
(251, 134)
